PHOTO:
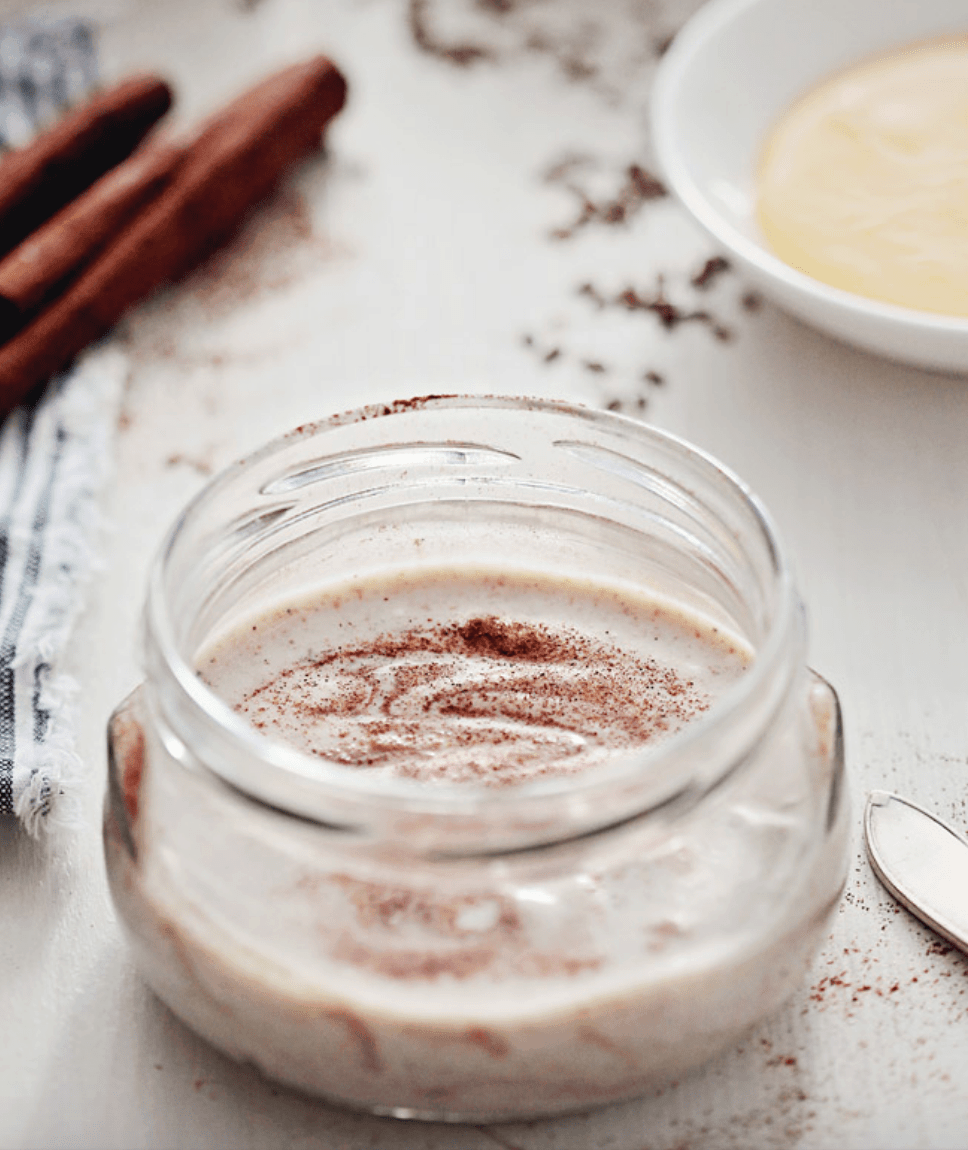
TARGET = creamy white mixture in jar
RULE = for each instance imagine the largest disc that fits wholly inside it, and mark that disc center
(471, 677)
(480, 988)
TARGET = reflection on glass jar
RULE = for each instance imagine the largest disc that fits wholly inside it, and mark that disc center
(478, 772)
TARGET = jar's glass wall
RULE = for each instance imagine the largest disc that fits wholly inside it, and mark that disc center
(473, 957)
(499, 484)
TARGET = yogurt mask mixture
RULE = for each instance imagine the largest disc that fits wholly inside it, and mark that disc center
(484, 989)
(464, 677)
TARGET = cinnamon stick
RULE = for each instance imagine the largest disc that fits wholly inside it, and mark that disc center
(33, 272)
(232, 165)
(38, 180)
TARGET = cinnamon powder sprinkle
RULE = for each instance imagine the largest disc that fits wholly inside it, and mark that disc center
(669, 314)
(488, 700)
(463, 55)
(711, 270)
(638, 188)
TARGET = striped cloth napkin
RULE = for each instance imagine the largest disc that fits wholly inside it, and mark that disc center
(53, 459)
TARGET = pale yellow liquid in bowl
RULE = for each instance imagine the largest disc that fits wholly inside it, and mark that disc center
(863, 183)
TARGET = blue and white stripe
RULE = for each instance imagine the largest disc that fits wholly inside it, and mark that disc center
(53, 455)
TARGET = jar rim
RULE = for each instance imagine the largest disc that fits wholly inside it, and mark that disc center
(324, 791)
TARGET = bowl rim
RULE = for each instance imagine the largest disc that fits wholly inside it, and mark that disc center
(672, 78)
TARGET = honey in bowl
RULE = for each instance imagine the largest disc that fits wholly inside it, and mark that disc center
(863, 182)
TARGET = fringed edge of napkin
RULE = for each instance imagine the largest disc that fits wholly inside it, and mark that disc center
(79, 414)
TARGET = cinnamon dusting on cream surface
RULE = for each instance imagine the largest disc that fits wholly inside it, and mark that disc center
(458, 694)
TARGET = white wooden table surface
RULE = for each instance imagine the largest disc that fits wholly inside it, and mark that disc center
(417, 257)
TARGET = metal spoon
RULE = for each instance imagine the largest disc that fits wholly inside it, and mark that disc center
(922, 861)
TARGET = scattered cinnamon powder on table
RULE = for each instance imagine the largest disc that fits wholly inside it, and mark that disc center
(571, 36)
(670, 315)
(613, 53)
(426, 39)
(711, 270)
(276, 248)
(638, 187)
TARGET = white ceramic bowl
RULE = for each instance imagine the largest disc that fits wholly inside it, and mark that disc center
(729, 74)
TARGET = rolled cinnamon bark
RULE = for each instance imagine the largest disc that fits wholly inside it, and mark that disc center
(38, 180)
(34, 271)
(233, 164)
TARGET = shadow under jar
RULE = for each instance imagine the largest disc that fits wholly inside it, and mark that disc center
(440, 947)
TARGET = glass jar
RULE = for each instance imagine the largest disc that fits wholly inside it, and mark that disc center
(461, 953)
